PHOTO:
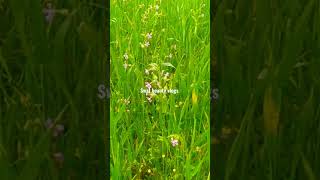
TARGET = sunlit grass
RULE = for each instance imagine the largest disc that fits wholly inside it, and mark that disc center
(163, 45)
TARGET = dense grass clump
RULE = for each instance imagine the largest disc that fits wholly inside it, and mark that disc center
(162, 45)
(266, 63)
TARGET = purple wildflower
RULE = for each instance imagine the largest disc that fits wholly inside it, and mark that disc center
(49, 12)
(48, 124)
(174, 142)
(148, 85)
(58, 130)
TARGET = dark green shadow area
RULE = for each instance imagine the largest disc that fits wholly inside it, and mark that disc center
(51, 120)
(266, 65)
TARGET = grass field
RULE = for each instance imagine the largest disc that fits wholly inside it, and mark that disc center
(51, 63)
(266, 65)
(160, 45)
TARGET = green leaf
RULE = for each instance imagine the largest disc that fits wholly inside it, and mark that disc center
(32, 167)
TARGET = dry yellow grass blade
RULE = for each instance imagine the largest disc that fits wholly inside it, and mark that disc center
(271, 111)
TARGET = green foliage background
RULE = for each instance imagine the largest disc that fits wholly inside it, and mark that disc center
(266, 65)
(52, 71)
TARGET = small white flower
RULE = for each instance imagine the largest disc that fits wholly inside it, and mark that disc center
(149, 35)
(126, 101)
(174, 142)
(149, 170)
(147, 44)
(157, 7)
(174, 170)
(125, 65)
(146, 71)
(125, 56)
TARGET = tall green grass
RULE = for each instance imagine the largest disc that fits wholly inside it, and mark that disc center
(267, 69)
(141, 131)
(51, 71)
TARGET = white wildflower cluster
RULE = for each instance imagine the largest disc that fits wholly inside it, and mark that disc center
(126, 59)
